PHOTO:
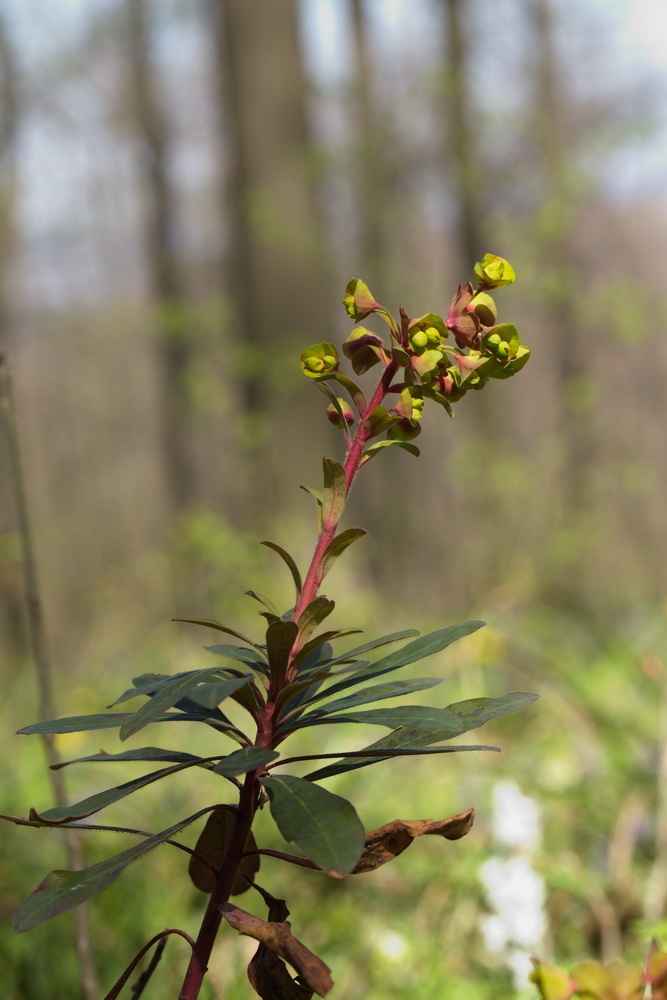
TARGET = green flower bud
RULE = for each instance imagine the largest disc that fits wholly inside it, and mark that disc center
(484, 308)
(433, 336)
(419, 340)
(492, 341)
(318, 360)
(359, 301)
(503, 349)
(494, 272)
(334, 415)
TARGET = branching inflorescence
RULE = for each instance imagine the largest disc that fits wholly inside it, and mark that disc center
(294, 679)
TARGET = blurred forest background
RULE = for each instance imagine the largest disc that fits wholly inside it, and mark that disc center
(185, 189)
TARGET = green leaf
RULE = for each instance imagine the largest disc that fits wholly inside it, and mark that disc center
(323, 639)
(394, 689)
(248, 656)
(401, 740)
(313, 615)
(476, 711)
(167, 697)
(261, 599)
(141, 754)
(100, 800)
(335, 492)
(337, 546)
(425, 645)
(379, 420)
(77, 724)
(362, 758)
(325, 826)
(244, 760)
(280, 637)
(356, 395)
(289, 561)
(319, 500)
(374, 449)
(212, 623)
(63, 890)
(384, 640)
(413, 716)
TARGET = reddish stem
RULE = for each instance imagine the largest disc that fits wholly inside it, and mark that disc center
(249, 797)
(313, 579)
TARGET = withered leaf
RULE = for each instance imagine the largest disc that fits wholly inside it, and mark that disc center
(278, 938)
(212, 844)
(270, 979)
(390, 840)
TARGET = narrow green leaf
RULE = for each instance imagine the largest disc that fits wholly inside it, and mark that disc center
(212, 623)
(377, 692)
(313, 615)
(244, 760)
(257, 661)
(356, 395)
(337, 546)
(169, 695)
(150, 684)
(384, 640)
(261, 599)
(364, 758)
(323, 639)
(76, 724)
(476, 711)
(401, 739)
(413, 716)
(333, 399)
(100, 800)
(325, 826)
(280, 638)
(373, 449)
(63, 890)
(335, 491)
(319, 500)
(425, 645)
(141, 754)
(289, 561)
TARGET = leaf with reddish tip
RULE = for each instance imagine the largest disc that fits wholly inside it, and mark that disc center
(211, 845)
(325, 826)
(278, 937)
(390, 840)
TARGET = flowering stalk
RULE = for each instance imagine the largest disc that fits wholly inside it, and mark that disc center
(293, 679)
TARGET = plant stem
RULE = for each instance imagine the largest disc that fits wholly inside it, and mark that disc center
(313, 578)
(88, 980)
(222, 890)
(249, 796)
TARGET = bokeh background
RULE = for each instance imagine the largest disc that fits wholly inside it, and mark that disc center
(185, 189)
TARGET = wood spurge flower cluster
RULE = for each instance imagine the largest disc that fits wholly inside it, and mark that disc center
(295, 676)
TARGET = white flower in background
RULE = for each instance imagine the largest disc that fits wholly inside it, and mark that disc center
(516, 817)
(516, 926)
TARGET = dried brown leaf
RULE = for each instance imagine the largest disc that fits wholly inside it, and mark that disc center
(278, 938)
(211, 845)
(390, 840)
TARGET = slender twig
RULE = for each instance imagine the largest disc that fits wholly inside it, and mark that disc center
(138, 987)
(87, 973)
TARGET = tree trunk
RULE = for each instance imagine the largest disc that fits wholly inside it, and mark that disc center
(275, 258)
(172, 331)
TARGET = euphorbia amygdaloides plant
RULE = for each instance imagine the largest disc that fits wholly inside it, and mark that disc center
(294, 677)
